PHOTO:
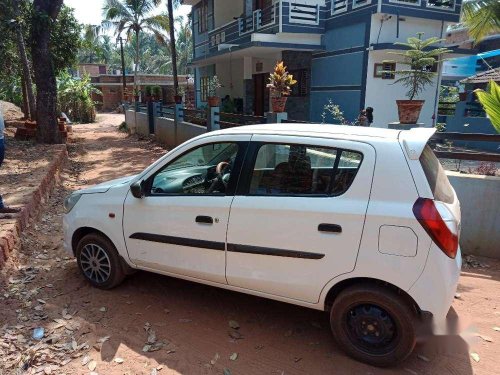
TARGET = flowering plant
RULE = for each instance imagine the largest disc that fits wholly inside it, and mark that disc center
(280, 81)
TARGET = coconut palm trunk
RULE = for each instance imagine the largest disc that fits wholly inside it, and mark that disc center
(173, 48)
(45, 13)
(26, 75)
(136, 65)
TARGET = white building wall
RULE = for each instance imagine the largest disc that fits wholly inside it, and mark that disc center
(230, 74)
(381, 94)
(224, 11)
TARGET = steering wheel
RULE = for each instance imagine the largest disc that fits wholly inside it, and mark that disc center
(218, 181)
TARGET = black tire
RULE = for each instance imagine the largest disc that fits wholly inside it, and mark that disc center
(105, 274)
(373, 325)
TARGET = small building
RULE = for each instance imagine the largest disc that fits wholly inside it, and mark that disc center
(111, 86)
(336, 50)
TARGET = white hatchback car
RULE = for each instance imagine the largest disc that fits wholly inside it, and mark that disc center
(360, 222)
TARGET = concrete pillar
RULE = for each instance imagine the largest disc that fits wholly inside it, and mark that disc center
(213, 119)
(156, 109)
(178, 119)
(179, 113)
(276, 117)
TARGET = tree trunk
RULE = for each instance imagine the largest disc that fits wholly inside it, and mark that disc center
(44, 13)
(136, 60)
(30, 98)
(173, 49)
(26, 107)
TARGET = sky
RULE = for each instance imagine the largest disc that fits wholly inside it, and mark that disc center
(90, 11)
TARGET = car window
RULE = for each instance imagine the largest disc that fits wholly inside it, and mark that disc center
(203, 170)
(436, 176)
(291, 169)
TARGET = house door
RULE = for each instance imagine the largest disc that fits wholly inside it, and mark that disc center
(259, 89)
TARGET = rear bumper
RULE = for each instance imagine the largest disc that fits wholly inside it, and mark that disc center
(435, 289)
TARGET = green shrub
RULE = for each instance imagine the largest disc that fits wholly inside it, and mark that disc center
(75, 97)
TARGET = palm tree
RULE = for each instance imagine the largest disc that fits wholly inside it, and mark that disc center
(184, 44)
(171, 4)
(482, 17)
(134, 16)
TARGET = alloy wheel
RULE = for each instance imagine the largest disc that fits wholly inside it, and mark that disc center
(95, 263)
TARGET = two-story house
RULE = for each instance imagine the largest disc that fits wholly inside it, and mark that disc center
(334, 48)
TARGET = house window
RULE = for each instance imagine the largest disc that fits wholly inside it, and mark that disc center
(339, 6)
(406, 2)
(301, 88)
(360, 3)
(384, 70)
(204, 88)
(203, 17)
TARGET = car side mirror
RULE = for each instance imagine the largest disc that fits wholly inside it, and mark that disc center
(137, 190)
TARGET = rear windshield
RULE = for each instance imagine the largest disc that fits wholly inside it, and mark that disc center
(436, 177)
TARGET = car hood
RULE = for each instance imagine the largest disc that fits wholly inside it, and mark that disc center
(105, 186)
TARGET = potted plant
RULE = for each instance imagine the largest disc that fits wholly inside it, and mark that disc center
(180, 94)
(136, 94)
(213, 85)
(419, 59)
(280, 83)
(157, 94)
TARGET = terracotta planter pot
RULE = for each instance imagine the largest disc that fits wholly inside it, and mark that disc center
(278, 104)
(178, 99)
(213, 101)
(409, 110)
(136, 98)
(62, 126)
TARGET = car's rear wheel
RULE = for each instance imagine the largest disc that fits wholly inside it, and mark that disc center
(373, 325)
(99, 261)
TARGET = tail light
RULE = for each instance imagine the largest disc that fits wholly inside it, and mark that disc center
(429, 217)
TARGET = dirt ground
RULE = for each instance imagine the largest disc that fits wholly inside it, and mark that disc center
(187, 325)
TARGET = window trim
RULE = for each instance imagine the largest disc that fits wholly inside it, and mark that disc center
(383, 73)
(245, 177)
(359, 5)
(233, 181)
(402, 2)
(202, 12)
(341, 10)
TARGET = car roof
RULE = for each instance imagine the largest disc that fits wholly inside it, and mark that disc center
(320, 130)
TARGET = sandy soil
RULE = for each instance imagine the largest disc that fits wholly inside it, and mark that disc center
(41, 287)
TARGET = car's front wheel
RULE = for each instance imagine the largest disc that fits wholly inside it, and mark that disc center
(373, 325)
(99, 261)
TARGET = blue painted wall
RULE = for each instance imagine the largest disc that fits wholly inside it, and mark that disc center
(338, 70)
(462, 124)
(345, 99)
(339, 73)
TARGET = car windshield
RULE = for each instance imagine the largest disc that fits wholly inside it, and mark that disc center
(208, 155)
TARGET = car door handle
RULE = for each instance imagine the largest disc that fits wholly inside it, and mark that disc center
(332, 228)
(204, 219)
